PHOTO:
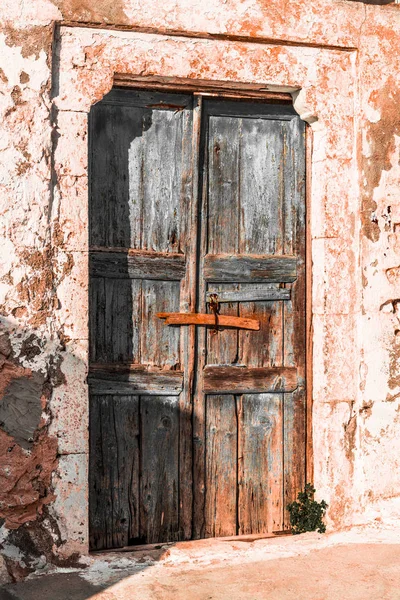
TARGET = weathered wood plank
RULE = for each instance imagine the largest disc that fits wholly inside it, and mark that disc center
(221, 217)
(250, 269)
(137, 264)
(160, 345)
(122, 301)
(113, 471)
(164, 159)
(294, 447)
(209, 320)
(159, 482)
(189, 210)
(250, 294)
(260, 463)
(147, 99)
(251, 110)
(198, 419)
(113, 130)
(226, 88)
(222, 199)
(220, 466)
(243, 380)
(153, 383)
(98, 343)
(113, 320)
(261, 187)
(264, 347)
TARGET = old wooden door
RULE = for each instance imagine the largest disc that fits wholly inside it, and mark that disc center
(194, 433)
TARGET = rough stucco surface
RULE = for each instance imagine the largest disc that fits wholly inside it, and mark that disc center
(343, 57)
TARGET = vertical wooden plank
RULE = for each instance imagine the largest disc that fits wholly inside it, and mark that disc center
(260, 463)
(221, 466)
(262, 348)
(199, 426)
(115, 131)
(160, 345)
(189, 210)
(113, 471)
(159, 482)
(223, 184)
(261, 186)
(97, 334)
(223, 219)
(122, 302)
(295, 313)
(162, 181)
(136, 175)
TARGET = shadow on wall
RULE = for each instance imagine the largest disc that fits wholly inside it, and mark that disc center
(30, 534)
(30, 369)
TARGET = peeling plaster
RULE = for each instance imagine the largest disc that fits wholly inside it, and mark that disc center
(350, 99)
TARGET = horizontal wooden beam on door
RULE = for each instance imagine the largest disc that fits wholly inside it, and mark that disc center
(244, 380)
(137, 264)
(247, 268)
(253, 294)
(206, 86)
(209, 320)
(135, 381)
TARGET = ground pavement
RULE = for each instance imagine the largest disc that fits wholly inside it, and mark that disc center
(362, 564)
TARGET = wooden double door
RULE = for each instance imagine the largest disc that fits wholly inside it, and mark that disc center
(194, 432)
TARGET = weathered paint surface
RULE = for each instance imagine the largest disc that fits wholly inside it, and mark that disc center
(343, 57)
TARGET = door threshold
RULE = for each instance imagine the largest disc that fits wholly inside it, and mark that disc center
(249, 538)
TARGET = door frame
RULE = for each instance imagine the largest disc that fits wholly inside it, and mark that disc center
(234, 66)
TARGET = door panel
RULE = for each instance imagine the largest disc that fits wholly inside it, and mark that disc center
(140, 193)
(220, 466)
(252, 222)
(114, 470)
(159, 465)
(260, 451)
(194, 433)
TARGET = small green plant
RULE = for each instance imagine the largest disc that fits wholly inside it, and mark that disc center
(307, 514)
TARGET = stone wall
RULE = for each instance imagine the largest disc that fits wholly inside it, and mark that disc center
(340, 60)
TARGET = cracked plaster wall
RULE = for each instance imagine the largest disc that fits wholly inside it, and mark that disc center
(344, 57)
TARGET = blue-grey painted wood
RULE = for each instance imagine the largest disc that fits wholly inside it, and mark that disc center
(249, 293)
(243, 268)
